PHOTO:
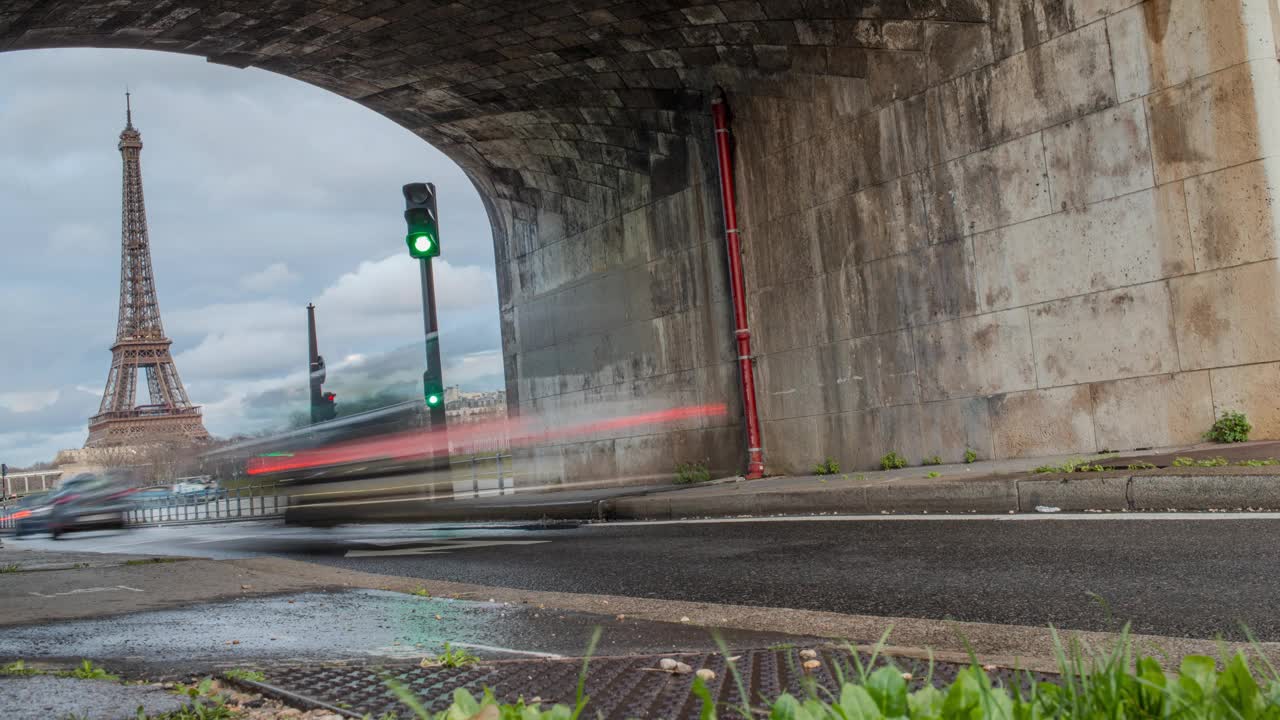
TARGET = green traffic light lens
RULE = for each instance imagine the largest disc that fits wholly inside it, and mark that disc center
(422, 243)
(433, 399)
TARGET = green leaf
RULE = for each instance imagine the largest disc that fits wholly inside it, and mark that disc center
(701, 692)
(889, 690)
(1197, 676)
(925, 703)
(857, 703)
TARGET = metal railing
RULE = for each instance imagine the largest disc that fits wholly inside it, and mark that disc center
(482, 476)
(248, 502)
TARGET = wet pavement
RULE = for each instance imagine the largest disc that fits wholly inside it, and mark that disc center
(353, 625)
(43, 697)
(1164, 573)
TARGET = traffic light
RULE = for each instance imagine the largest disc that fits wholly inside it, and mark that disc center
(325, 409)
(423, 236)
(432, 391)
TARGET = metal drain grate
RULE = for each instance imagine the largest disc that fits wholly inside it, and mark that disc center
(627, 687)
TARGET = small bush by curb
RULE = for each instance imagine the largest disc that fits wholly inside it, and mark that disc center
(1232, 427)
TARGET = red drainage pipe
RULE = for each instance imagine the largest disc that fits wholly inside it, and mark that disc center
(755, 458)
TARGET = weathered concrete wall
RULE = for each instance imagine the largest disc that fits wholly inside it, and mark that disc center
(1047, 228)
(1017, 226)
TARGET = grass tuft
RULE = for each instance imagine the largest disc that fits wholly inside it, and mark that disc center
(892, 461)
(245, 674)
(1074, 465)
(689, 473)
(452, 658)
(827, 467)
(88, 671)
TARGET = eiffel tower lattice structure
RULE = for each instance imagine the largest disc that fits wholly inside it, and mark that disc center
(141, 345)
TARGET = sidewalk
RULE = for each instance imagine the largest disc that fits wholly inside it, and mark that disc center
(1002, 486)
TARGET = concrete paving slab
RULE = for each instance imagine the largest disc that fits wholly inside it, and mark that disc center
(41, 697)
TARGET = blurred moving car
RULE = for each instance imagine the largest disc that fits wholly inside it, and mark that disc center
(29, 514)
(155, 493)
(89, 502)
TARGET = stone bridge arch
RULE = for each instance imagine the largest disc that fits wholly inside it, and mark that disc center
(1018, 226)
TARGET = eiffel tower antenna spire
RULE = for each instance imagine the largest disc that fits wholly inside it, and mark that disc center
(141, 345)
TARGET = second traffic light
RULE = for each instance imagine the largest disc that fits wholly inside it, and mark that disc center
(423, 235)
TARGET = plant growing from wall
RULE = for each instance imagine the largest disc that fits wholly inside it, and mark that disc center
(969, 455)
(688, 473)
(932, 460)
(827, 467)
(892, 461)
(1232, 427)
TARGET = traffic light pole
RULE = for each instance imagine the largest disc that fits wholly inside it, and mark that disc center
(432, 331)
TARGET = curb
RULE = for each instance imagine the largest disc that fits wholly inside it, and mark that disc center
(1072, 493)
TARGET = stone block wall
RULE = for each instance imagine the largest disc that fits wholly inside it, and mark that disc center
(1048, 228)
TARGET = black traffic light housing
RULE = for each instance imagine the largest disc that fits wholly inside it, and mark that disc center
(423, 224)
(325, 408)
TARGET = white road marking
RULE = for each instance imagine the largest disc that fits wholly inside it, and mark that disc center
(442, 546)
(80, 591)
(495, 648)
(1019, 517)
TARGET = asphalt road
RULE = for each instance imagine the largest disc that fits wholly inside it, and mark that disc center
(1196, 576)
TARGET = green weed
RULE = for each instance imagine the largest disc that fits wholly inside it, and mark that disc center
(19, 667)
(826, 467)
(451, 658)
(931, 460)
(969, 456)
(198, 710)
(204, 688)
(11, 568)
(933, 474)
(688, 473)
(1258, 463)
(245, 674)
(1074, 465)
(1203, 463)
(1232, 427)
(88, 671)
(892, 461)
(421, 592)
(1142, 466)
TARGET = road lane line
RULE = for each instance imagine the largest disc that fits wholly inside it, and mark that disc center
(441, 547)
(1019, 517)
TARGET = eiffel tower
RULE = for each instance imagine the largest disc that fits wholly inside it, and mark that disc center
(141, 345)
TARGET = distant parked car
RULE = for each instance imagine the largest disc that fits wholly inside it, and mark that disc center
(89, 502)
(30, 513)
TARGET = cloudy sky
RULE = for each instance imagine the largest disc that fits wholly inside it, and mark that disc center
(263, 194)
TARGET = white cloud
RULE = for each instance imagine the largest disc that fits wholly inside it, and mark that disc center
(269, 279)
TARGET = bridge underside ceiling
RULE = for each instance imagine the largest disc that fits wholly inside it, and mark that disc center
(989, 224)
